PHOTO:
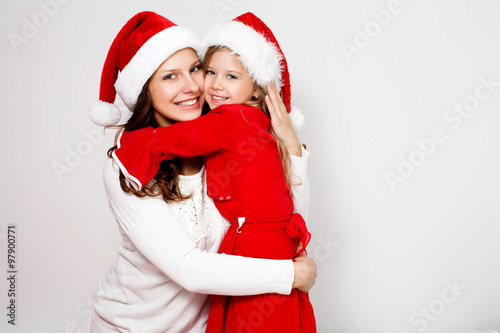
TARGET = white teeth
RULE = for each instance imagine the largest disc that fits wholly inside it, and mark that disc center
(188, 103)
(218, 97)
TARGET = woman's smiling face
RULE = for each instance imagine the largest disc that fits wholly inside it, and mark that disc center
(176, 88)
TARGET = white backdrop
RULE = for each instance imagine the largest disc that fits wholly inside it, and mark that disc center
(402, 103)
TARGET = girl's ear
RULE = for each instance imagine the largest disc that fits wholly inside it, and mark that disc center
(255, 94)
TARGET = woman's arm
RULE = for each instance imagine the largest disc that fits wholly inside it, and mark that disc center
(164, 242)
(160, 237)
(301, 193)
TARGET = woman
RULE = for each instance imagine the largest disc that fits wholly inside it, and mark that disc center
(167, 263)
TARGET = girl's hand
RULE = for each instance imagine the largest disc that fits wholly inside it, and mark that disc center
(280, 121)
(305, 273)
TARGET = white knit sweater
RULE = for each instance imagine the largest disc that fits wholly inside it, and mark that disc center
(167, 264)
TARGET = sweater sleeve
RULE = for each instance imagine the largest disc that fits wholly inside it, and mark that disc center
(300, 184)
(161, 238)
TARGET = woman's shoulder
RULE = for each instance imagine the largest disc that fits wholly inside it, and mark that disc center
(111, 178)
(111, 171)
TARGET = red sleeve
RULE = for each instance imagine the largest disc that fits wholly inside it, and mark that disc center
(202, 136)
(140, 152)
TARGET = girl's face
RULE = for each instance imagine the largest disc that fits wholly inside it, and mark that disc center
(176, 88)
(227, 81)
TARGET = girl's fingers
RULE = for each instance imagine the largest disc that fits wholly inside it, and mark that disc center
(276, 100)
(273, 93)
(270, 106)
(271, 103)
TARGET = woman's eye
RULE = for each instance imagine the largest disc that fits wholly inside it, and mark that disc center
(195, 68)
(209, 72)
(169, 77)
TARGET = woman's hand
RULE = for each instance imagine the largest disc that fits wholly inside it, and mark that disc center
(280, 121)
(305, 273)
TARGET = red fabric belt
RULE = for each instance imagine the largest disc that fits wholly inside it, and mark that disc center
(294, 225)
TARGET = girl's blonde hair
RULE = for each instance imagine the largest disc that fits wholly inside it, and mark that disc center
(258, 101)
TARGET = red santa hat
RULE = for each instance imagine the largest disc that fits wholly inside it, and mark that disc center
(140, 47)
(260, 54)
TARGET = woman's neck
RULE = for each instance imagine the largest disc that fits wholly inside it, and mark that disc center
(190, 165)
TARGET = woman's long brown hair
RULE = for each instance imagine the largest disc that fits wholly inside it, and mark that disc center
(166, 181)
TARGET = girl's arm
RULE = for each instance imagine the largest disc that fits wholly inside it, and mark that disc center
(140, 152)
(160, 237)
(299, 157)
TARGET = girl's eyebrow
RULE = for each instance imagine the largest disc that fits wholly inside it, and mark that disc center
(228, 71)
(235, 72)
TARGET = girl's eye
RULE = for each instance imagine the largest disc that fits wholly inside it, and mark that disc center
(232, 77)
(209, 72)
(195, 68)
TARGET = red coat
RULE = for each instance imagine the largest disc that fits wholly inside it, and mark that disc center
(245, 179)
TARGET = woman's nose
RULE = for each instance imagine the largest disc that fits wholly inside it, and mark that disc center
(190, 85)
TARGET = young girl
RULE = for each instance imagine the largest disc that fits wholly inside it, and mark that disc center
(245, 169)
(166, 265)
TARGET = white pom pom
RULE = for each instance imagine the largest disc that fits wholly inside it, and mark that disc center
(104, 113)
(296, 118)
